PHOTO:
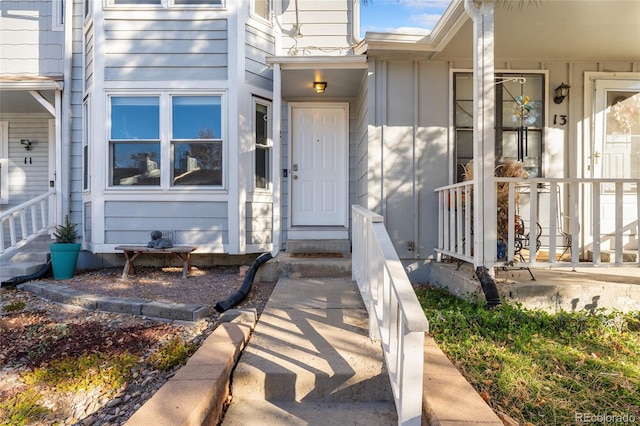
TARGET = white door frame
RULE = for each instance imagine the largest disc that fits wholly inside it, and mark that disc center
(592, 126)
(344, 106)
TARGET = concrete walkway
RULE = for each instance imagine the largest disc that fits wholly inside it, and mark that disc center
(310, 361)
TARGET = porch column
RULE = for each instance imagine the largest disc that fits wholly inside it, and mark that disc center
(484, 197)
(276, 129)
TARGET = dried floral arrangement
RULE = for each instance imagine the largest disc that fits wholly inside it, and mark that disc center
(506, 168)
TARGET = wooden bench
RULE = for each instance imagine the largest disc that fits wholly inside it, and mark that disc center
(131, 253)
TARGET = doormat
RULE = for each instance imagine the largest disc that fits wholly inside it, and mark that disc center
(316, 254)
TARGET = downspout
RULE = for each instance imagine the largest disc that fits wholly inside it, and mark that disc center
(63, 165)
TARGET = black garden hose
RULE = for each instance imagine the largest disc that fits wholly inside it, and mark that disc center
(488, 286)
(239, 295)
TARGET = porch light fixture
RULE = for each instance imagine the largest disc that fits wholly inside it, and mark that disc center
(26, 143)
(319, 86)
(561, 92)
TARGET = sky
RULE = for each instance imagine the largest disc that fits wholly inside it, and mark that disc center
(407, 16)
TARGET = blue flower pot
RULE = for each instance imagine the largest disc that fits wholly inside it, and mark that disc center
(63, 259)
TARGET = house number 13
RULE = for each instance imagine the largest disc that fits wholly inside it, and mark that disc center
(562, 121)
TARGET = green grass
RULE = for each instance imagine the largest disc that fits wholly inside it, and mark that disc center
(538, 367)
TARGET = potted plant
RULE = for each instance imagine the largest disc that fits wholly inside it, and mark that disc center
(64, 252)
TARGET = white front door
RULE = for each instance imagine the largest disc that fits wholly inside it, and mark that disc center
(319, 165)
(616, 154)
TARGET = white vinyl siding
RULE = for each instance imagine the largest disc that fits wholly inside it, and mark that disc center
(198, 223)
(30, 45)
(28, 170)
(325, 26)
(164, 46)
(259, 223)
(259, 45)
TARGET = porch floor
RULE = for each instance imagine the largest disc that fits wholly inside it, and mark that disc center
(560, 288)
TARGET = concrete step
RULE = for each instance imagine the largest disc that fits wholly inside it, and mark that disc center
(287, 265)
(319, 246)
(311, 344)
(242, 413)
(16, 269)
(31, 255)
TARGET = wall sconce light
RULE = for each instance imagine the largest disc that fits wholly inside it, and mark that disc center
(562, 92)
(26, 143)
(319, 86)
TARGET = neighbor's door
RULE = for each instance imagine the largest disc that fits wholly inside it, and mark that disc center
(319, 153)
(616, 154)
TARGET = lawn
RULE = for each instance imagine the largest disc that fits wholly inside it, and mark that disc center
(542, 368)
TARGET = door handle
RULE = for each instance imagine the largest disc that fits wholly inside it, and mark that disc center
(295, 167)
(295, 176)
(596, 156)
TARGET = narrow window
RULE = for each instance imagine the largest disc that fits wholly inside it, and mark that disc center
(262, 136)
(262, 8)
(135, 141)
(85, 144)
(57, 15)
(196, 142)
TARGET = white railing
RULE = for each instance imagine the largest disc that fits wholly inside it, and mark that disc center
(577, 222)
(395, 315)
(25, 222)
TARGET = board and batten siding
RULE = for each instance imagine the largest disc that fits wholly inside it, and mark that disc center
(165, 46)
(406, 158)
(197, 223)
(30, 46)
(259, 223)
(258, 45)
(361, 148)
(325, 26)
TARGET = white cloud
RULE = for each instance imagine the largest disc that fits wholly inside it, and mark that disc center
(424, 4)
(426, 20)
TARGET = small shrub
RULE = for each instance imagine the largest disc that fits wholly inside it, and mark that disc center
(175, 352)
(13, 307)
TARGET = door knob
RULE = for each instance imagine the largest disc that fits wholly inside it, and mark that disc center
(295, 176)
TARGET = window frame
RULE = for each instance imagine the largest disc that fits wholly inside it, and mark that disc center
(254, 14)
(501, 130)
(167, 4)
(165, 141)
(86, 148)
(57, 15)
(268, 147)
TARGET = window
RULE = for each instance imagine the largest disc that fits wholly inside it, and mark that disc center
(57, 15)
(85, 144)
(519, 120)
(196, 142)
(193, 145)
(135, 141)
(261, 134)
(262, 8)
(166, 3)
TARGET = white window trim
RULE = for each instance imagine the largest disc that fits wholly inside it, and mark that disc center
(57, 15)
(165, 141)
(267, 21)
(270, 171)
(165, 4)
